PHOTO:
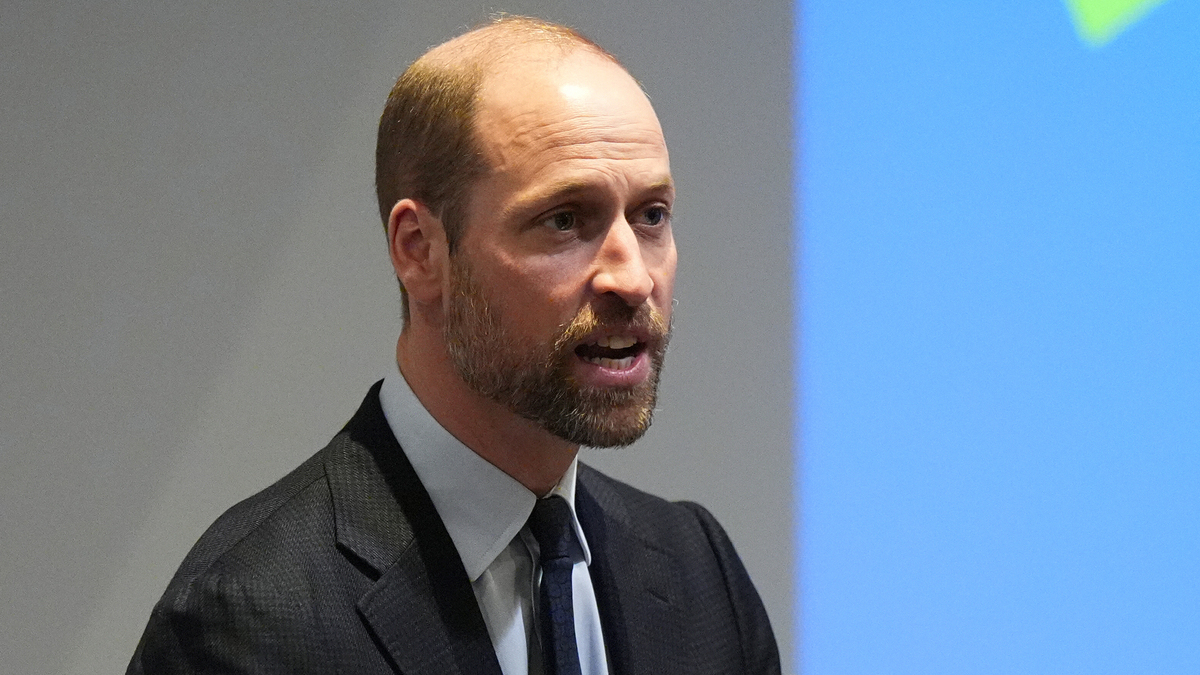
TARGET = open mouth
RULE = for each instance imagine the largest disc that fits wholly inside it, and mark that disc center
(616, 352)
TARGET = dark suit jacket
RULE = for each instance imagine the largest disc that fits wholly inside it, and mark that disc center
(343, 566)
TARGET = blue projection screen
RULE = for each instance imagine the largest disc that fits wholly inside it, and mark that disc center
(999, 277)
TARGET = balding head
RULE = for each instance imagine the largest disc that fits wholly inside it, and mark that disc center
(427, 148)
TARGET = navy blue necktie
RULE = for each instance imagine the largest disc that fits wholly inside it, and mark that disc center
(551, 526)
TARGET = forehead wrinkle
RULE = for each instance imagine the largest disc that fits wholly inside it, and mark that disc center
(566, 140)
(539, 159)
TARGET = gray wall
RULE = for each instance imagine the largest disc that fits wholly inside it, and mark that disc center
(196, 293)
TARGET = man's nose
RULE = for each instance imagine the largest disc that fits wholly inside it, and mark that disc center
(621, 270)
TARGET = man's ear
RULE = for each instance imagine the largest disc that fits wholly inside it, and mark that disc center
(417, 246)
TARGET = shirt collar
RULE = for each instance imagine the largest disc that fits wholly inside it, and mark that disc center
(482, 507)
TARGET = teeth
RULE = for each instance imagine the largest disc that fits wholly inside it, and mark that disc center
(612, 364)
(616, 341)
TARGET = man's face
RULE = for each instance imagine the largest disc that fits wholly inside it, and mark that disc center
(559, 298)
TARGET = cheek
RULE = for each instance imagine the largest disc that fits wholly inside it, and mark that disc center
(663, 273)
(539, 297)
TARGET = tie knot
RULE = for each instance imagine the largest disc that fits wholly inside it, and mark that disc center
(550, 524)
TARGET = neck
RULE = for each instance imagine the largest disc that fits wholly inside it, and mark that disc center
(520, 448)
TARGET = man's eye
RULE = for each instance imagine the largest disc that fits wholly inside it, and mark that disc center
(656, 215)
(561, 221)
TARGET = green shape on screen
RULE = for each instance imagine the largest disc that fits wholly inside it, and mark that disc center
(1099, 21)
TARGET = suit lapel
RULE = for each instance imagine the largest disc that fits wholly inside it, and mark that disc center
(426, 622)
(420, 606)
(637, 590)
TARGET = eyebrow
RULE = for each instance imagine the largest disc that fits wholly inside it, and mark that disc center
(662, 185)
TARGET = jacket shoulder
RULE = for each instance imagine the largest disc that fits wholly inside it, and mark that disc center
(726, 621)
(252, 530)
(268, 587)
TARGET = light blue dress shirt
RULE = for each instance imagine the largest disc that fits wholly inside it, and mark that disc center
(484, 510)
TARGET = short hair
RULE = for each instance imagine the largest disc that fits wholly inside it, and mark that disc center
(426, 148)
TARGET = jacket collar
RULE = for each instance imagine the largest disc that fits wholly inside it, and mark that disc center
(421, 608)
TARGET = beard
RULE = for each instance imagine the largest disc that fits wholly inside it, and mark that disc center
(535, 379)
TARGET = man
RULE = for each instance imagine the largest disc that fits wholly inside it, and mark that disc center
(526, 191)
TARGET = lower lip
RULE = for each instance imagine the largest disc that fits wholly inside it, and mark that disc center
(596, 375)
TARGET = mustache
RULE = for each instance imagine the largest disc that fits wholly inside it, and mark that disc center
(643, 320)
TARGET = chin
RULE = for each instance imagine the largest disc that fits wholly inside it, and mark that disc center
(614, 427)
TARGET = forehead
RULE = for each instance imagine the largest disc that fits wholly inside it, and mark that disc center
(578, 104)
